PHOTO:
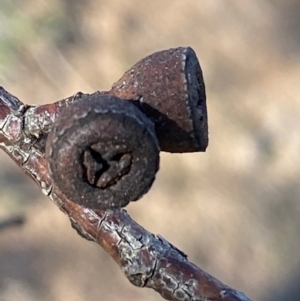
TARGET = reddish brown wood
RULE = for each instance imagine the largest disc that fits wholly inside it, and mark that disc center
(103, 152)
(147, 260)
(168, 87)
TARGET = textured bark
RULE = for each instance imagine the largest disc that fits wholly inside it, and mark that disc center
(146, 259)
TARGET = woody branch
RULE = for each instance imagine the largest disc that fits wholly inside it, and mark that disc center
(146, 259)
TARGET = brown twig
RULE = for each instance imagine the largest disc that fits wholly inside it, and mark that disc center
(167, 88)
(146, 259)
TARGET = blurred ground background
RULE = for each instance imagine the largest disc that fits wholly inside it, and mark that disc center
(234, 210)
